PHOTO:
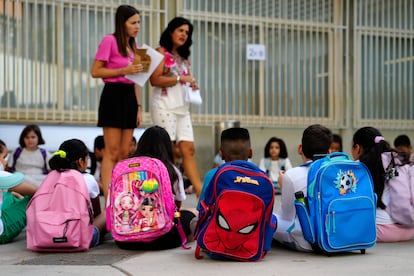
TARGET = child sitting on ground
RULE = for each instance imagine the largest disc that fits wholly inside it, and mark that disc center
(14, 196)
(235, 145)
(29, 158)
(316, 139)
(73, 154)
(156, 143)
(275, 161)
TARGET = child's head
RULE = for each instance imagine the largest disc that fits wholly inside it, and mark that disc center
(31, 136)
(98, 147)
(3, 154)
(235, 144)
(133, 145)
(275, 148)
(336, 144)
(368, 142)
(72, 154)
(3, 148)
(155, 142)
(316, 139)
(402, 143)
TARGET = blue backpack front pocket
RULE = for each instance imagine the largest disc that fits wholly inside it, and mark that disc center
(343, 222)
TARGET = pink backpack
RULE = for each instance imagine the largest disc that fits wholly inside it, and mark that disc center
(140, 205)
(60, 214)
(400, 180)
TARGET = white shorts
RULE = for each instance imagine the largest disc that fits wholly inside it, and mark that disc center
(177, 124)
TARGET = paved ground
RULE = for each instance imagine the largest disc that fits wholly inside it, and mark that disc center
(108, 259)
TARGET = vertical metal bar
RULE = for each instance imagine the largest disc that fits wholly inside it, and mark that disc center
(317, 66)
(296, 62)
(279, 39)
(312, 59)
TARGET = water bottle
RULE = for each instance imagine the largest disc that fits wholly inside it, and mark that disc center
(300, 197)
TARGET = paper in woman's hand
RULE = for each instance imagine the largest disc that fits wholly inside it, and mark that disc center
(155, 58)
(193, 96)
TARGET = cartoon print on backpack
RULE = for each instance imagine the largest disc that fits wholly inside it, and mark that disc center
(235, 229)
(137, 208)
(127, 206)
(147, 217)
(346, 182)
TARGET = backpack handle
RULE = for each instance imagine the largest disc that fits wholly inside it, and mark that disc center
(338, 155)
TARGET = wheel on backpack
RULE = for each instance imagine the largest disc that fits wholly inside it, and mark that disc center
(362, 251)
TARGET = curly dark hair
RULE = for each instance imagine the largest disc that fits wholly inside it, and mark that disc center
(166, 40)
(283, 150)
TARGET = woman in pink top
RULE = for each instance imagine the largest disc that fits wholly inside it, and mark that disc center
(119, 107)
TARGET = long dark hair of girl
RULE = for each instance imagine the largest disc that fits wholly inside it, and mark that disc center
(371, 156)
(166, 39)
(155, 142)
(123, 13)
(68, 155)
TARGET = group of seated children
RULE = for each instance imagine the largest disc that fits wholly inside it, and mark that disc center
(367, 146)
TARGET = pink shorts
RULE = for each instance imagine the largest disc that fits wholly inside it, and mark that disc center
(393, 233)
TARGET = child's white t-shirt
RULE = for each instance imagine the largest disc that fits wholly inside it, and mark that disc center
(273, 167)
(179, 187)
(92, 185)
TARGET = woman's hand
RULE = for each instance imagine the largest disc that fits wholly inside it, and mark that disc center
(133, 69)
(191, 80)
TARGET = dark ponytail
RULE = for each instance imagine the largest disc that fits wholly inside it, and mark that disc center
(68, 155)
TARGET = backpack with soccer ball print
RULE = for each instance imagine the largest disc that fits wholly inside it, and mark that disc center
(339, 212)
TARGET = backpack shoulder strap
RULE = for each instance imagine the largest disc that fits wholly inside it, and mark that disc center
(267, 165)
(44, 154)
(16, 155)
(282, 162)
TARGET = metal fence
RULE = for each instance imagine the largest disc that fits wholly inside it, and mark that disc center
(263, 63)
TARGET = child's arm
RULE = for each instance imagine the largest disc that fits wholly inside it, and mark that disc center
(25, 188)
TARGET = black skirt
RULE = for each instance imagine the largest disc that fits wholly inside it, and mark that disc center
(118, 106)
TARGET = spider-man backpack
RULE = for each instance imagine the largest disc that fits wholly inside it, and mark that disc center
(236, 216)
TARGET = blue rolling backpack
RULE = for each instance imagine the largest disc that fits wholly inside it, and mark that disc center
(338, 214)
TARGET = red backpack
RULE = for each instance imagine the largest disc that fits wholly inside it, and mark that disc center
(235, 218)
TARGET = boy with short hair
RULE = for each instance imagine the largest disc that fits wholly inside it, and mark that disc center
(235, 145)
(316, 140)
(402, 143)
